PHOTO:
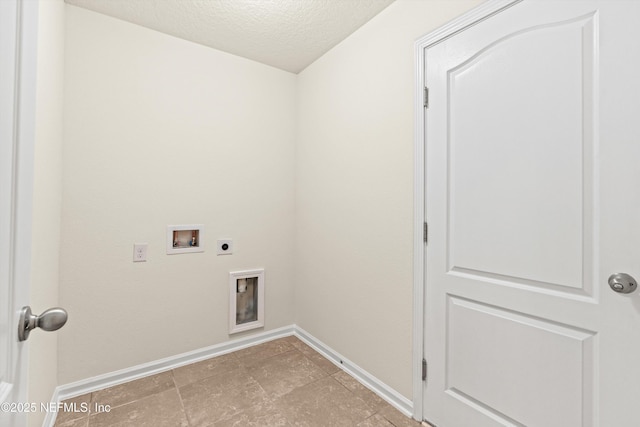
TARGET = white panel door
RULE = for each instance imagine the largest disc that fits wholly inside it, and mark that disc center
(532, 201)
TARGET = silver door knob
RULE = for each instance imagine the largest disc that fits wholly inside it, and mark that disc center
(51, 320)
(622, 283)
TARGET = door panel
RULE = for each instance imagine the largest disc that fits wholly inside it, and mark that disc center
(489, 345)
(532, 222)
(532, 202)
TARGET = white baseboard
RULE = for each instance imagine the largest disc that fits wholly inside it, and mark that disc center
(151, 368)
(111, 379)
(387, 393)
(50, 417)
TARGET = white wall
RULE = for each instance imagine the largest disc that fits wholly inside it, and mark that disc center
(47, 196)
(162, 131)
(354, 193)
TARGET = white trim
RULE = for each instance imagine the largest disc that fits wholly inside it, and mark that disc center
(19, 35)
(472, 17)
(8, 83)
(418, 238)
(5, 390)
(50, 417)
(100, 382)
(468, 19)
(111, 379)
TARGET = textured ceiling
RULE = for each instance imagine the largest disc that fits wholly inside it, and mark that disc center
(287, 34)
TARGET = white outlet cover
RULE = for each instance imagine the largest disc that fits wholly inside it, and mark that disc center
(221, 246)
(140, 252)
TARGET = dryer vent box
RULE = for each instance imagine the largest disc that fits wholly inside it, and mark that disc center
(246, 300)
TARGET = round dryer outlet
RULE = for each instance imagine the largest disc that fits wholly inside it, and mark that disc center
(225, 246)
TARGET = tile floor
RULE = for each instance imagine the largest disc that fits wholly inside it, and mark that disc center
(279, 383)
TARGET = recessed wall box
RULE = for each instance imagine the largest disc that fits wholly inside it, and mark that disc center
(225, 246)
(246, 300)
(182, 239)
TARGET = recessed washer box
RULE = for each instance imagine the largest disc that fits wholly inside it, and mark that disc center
(184, 239)
(246, 300)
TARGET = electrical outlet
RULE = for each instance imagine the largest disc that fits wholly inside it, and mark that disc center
(140, 252)
(225, 247)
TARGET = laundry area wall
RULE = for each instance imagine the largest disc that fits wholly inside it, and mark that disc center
(311, 175)
(161, 131)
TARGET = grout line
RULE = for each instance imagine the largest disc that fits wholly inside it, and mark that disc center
(140, 398)
(184, 410)
(355, 395)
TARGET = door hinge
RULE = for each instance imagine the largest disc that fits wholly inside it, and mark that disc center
(426, 97)
(424, 369)
(425, 233)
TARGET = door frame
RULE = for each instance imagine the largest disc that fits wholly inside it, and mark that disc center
(19, 186)
(468, 19)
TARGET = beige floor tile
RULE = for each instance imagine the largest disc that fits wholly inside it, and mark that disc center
(291, 339)
(279, 383)
(322, 362)
(160, 409)
(263, 351)
(374, 401)
(78, 422)
(375, 421)
(75, 409)
(260, 415)
(207, 368)
(298, 344)
(220, 397)
(325, 364)
(279, 375)
(397, 418)
(134, 390)
(323, 403)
